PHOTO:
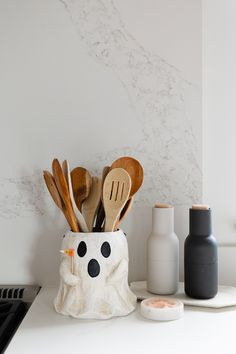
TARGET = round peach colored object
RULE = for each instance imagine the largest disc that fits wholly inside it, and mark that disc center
(162, 309)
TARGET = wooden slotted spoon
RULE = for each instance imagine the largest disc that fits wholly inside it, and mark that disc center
(64, 193)
(116, 191)
(135, 170)
(81, 184)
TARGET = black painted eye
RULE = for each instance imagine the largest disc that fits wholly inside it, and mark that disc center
(106, 249)
(82, 249)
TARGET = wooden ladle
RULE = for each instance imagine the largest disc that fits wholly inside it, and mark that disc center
(81, 184)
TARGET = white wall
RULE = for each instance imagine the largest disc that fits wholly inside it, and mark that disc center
(90, 81)
(219, 148)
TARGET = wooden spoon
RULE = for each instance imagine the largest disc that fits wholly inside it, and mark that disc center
(116, 191)
(91, 204)
(52, 188)
(78, 214)
(134, 169)
(81, 184)
(64, 193)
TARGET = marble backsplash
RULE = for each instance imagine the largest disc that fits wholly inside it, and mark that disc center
(162, 126)
(168, 146)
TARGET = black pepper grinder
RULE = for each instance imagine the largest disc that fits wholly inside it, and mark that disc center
(200, 255)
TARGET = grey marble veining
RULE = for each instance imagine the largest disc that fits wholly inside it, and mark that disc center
(22, 196)
(167, 149)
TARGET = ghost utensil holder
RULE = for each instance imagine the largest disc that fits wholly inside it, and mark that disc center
(94, 280)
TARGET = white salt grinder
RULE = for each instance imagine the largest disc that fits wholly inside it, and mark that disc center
(162, 252)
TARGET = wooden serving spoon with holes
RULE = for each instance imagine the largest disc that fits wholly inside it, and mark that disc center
(64, 193)
(80, 219)
(135, 170)
(81, 185)
(116, 192)
(52, 188)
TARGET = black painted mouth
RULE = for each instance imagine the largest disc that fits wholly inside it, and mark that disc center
(93, 268)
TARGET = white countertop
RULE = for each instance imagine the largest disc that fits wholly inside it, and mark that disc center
(199, 331)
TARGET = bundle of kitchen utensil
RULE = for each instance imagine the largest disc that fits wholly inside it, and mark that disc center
(94, 264)
(90, 203)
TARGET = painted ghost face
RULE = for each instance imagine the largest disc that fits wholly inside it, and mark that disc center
(97, 254)
(93, 265)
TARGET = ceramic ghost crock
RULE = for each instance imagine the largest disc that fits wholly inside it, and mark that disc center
(94, 281)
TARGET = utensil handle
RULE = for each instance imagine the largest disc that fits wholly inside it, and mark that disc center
(109, 224)
(73, 221)
(124, 212)
(100, 218)
(67, 217)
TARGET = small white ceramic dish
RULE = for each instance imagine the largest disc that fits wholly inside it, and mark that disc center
(161, 309)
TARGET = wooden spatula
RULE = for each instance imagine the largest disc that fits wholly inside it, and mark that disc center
(116, 191)
(80, 219)
(52, 188)
(90, 205)
(64, 193)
